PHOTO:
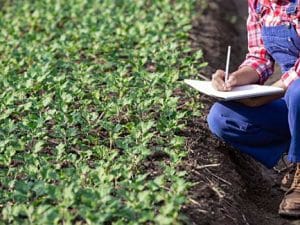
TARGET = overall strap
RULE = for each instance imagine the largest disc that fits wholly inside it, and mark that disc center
(292, 9)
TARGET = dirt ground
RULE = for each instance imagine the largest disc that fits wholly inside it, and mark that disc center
(230, 187)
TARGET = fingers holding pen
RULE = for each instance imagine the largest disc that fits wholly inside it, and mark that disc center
(231, 82)
(218, 80)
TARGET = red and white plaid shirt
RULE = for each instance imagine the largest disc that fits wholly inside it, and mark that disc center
(273, 14)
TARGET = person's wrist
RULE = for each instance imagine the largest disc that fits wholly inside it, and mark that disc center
(234, 78)
(249, 75)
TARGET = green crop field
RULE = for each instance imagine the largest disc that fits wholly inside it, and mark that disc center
(88, 93)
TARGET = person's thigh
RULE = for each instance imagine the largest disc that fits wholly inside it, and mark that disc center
(253, 126)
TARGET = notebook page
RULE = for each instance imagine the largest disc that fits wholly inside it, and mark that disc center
(240, 92)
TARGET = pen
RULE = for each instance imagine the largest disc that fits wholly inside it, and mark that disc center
(227, 64)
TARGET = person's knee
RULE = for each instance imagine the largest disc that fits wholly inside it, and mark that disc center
(214, 120)
(292, 96)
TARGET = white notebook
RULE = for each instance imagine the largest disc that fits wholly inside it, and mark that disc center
(240, 92)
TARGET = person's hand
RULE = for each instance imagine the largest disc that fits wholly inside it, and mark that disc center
(280, 84)
(231, 82)
(242, 76)
(218, 81)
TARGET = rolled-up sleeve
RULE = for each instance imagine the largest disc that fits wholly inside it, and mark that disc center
(257, 57)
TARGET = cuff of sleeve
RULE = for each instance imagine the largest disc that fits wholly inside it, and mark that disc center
(258, 68)
(288, 77)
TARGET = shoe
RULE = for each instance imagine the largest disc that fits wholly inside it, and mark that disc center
(290, 205)
(288, 178)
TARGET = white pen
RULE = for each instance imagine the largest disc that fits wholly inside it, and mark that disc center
(227, 64)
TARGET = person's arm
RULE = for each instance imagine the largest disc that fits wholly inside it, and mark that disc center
(258, 65)
(245, 75)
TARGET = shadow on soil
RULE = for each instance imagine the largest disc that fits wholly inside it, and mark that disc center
(230, 187)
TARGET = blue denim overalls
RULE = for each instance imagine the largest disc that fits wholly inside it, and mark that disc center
(266, 132)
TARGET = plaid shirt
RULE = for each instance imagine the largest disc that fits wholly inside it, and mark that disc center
(273, 13)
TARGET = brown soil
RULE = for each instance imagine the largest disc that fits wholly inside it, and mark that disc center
(230, 187)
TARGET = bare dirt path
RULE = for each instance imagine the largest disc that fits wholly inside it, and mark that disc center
(230, 188)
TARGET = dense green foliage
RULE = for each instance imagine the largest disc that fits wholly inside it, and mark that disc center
(86, 96)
